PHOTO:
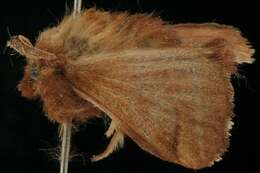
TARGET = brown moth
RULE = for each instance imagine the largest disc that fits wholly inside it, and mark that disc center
(167, 87)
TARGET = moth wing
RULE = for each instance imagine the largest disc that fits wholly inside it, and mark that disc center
(174, 103)
(215, 35)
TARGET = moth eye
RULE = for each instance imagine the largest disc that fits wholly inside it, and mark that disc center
(33, 73)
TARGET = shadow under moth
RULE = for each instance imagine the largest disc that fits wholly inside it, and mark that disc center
(167, 87)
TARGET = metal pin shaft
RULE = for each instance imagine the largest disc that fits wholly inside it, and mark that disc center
(66, 127)
(65, 147)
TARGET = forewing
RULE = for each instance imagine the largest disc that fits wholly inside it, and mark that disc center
(174, 103)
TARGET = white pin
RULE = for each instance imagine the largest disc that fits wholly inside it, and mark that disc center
(66, 127)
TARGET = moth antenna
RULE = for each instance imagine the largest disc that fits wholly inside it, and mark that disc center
(9, 36)
(23, 46)
(8, 32)
(66, 127)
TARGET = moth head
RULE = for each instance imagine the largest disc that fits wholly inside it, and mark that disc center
(36, 59)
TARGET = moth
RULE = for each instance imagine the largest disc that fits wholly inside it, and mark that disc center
(167, 87)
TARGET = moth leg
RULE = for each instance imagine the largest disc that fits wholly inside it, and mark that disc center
(111, 129)
(116, 142)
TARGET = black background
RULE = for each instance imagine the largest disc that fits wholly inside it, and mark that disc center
(28, 140)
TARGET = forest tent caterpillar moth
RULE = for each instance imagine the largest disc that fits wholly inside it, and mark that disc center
(165, 86)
